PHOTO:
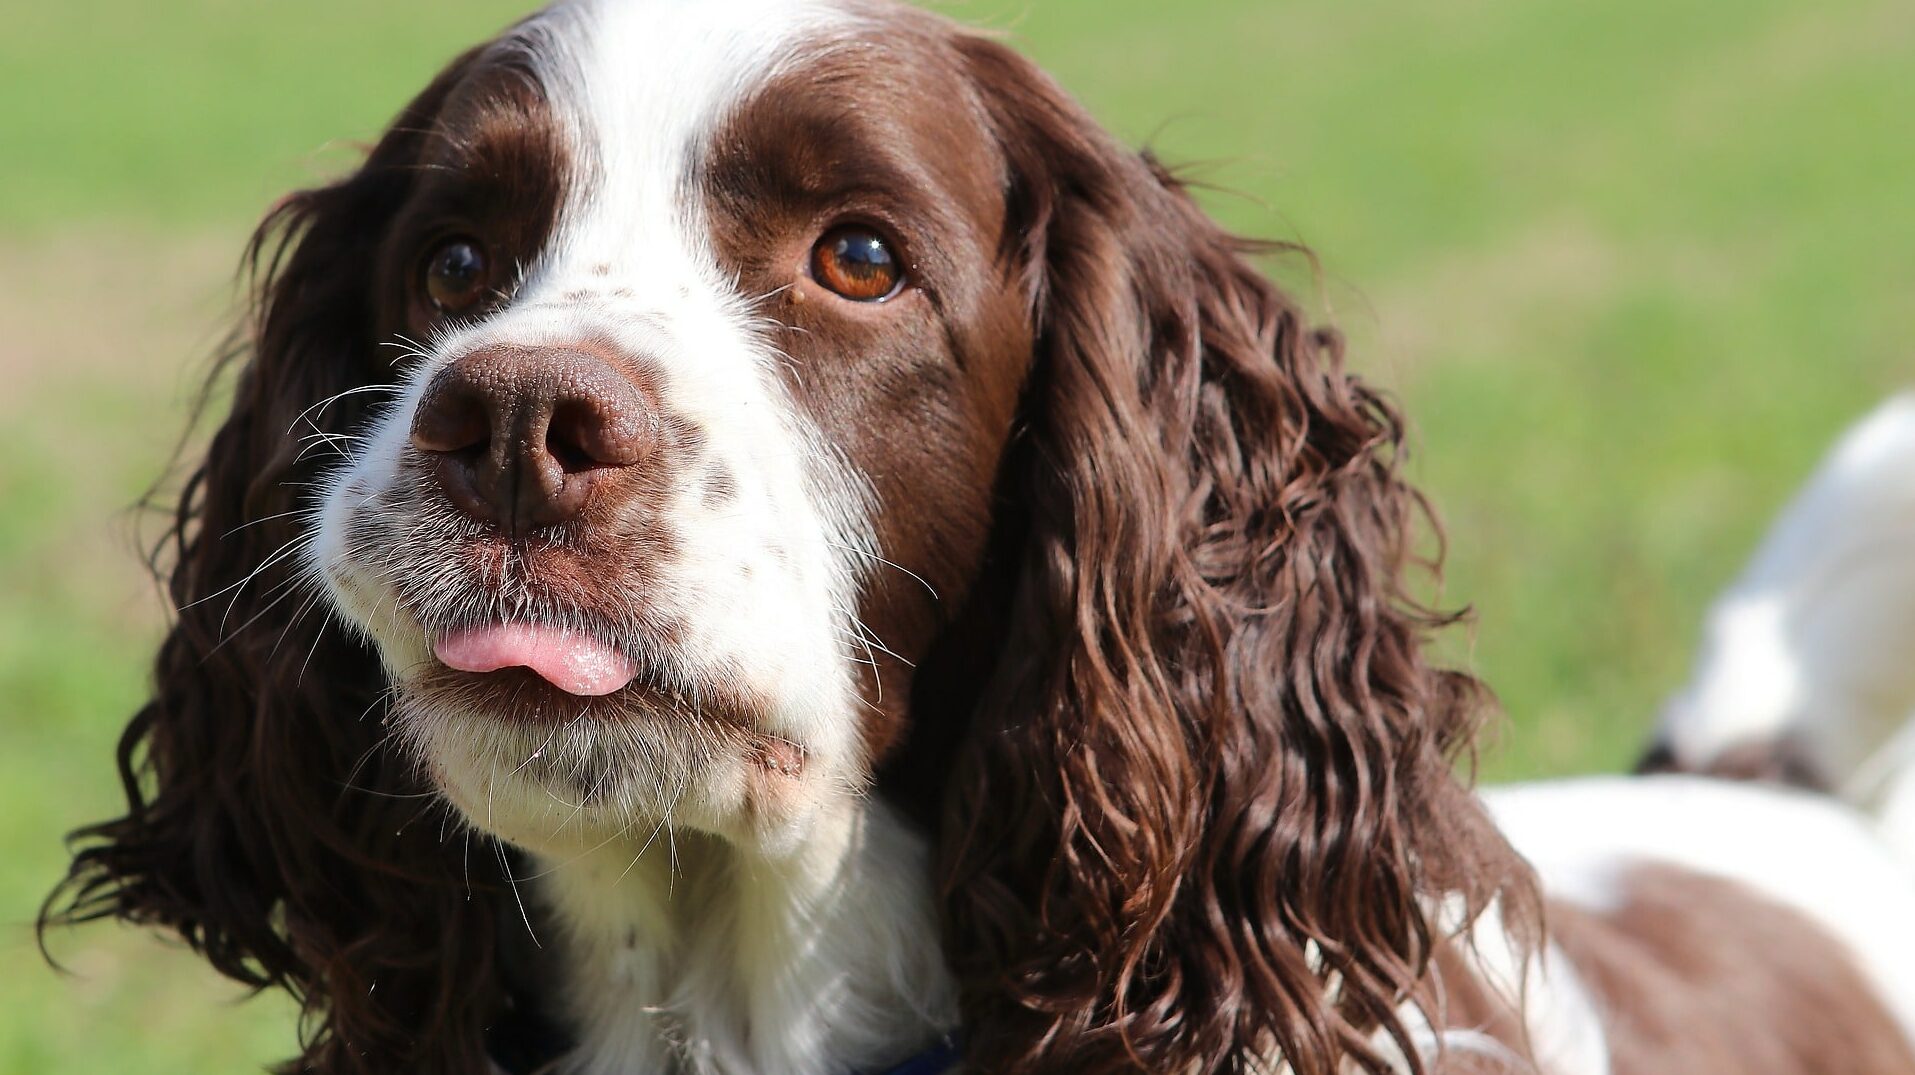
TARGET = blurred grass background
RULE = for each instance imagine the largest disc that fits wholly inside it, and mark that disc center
(1629, 265)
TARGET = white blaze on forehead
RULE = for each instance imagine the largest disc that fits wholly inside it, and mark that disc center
(642, 85)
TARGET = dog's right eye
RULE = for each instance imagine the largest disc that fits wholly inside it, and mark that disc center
(458, 275)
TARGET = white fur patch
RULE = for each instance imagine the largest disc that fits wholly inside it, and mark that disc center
(698, 957)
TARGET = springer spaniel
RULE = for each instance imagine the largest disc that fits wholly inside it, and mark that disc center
(753, 537)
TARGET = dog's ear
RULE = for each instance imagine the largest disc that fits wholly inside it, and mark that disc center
(266, 822)
(1207, 805)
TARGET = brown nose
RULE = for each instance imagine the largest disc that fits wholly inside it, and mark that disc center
(520, 436)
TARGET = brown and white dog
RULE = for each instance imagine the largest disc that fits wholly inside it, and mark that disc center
(752, 536)
(1806, 673)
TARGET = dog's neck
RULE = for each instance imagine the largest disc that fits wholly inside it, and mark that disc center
(688, 955)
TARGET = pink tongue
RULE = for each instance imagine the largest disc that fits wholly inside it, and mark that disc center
(574, 663)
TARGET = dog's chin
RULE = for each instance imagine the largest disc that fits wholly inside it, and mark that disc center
(558, 774)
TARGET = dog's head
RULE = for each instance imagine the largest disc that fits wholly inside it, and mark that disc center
(706, 348)
(709, 413)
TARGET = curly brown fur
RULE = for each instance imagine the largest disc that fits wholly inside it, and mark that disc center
(1213, 772)
(240, 834)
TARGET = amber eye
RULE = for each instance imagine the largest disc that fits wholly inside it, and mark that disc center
(457, 275)
(857, 263)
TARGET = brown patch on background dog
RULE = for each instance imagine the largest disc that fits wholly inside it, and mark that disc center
(1771, 761)
(1696, 975)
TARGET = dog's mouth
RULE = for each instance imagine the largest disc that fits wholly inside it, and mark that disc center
(520, 711)
(530, 673)
(571, 661)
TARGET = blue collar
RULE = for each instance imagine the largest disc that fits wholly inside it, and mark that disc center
(936, 1060)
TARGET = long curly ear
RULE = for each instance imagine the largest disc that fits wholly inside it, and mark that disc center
(1208, 802)
(266, 823)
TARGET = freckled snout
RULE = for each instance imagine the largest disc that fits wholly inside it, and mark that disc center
(522, 437)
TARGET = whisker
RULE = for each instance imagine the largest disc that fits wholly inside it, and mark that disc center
(290, 545)
(867, 553)
(305, 415)
(505, 867)
(259, 522)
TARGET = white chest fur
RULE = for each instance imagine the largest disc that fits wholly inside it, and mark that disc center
(691, 956)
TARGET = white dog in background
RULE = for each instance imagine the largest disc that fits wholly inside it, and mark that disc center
(1807, 664)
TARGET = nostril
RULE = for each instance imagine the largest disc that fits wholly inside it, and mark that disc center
(565, 441)
(452, 421)
(594, 430)
(468, 447)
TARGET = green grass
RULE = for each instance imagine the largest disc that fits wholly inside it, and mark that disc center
(1629, 266)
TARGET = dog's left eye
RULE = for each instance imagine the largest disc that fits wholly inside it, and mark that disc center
(457, 275)
(856, 263)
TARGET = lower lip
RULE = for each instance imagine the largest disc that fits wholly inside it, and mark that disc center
(521, 696)
(518, 696)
